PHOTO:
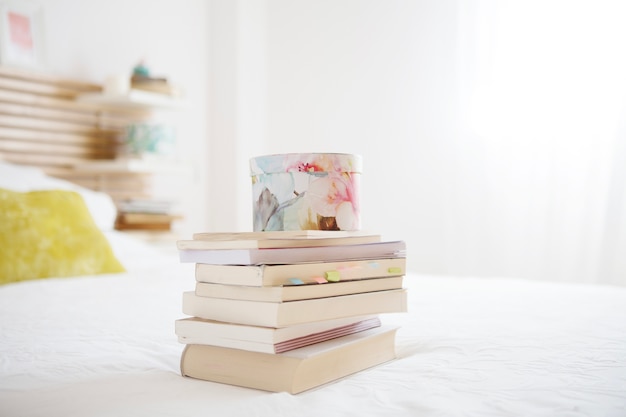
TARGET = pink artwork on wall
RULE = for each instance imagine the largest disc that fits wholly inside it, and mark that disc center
(20, 32)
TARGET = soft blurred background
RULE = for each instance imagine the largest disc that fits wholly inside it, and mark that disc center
(493, 132)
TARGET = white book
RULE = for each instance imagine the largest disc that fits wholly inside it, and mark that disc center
(276, 239)
(297, 292)
(271, 314)
(389, 249)
(306, 273)
(197, 331)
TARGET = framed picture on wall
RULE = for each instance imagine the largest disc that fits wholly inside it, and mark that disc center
(20, 34)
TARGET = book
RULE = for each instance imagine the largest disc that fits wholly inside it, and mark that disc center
(145, 206)
(279, 234)
(307, 273)
(388, 249)
(154, 84)
(294, 371)
(271, 240)
(144, 221)
(143, 226)
(197, 331)
(297, 292)
(166, 89)
(289, 313)
(146, 218)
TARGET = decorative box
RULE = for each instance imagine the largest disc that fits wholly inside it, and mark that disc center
(306, 191)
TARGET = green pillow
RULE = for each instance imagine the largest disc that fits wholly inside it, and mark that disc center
(50, 234)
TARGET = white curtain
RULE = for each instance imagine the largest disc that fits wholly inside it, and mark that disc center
(541, 155)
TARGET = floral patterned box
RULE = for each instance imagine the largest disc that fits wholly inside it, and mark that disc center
(306, 191)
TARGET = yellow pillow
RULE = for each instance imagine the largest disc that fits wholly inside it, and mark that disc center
(50, 234)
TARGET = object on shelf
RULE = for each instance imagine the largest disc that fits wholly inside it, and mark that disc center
(155, 85)
(145, 214)
(141, 79)
(145, 221)
(141, 69)
(149, 138)
(150, 206)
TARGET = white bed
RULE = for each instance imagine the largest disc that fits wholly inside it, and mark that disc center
(104, 345)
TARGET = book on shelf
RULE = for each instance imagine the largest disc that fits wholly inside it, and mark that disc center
(278, 239)
(146, 218)
(307, 273)
(289, 313)
(155, 85)
(256, 256)
(197, 331)
(143, 226)
(144, 221)
(145, 206)
(297, 292)
(294, 371)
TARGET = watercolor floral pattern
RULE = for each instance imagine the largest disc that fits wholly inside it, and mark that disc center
(318, 191)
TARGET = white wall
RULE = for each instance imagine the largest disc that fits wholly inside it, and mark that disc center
(91, 40)
(377, 79)
(488, 129)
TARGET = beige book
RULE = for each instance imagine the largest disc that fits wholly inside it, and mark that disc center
(294, 371)
(270, 314)
(297, 292)
(286, 239)
(146, 218)
(307, 273)
(258, 256)
(279, 234)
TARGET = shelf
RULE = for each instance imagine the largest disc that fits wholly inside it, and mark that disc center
(134, 99)
(134, 165)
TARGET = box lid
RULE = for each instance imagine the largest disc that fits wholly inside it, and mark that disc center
(305, 162)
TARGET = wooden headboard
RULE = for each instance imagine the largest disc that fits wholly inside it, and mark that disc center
(43, 124)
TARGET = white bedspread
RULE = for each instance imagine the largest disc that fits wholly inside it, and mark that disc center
(105, 346)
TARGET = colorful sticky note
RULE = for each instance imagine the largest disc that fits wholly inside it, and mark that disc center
(296, 281)
(320, 280)
(373, 264)
(332, 276)
(394, 270)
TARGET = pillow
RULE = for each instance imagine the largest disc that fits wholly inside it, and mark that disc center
(25, 178)
(50, 233)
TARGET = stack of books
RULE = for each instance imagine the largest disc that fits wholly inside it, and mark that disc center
(289, 311)
(145, 214)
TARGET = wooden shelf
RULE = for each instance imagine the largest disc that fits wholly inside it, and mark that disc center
(134, 99)
(133, 165)
(72, 130)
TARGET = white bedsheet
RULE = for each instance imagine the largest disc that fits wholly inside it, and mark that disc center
(105, 346)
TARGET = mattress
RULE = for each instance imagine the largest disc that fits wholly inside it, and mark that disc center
(104, 345)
